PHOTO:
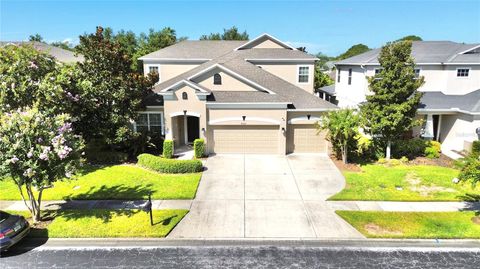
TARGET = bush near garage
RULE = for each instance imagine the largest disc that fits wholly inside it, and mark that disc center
(168, 149)
(476, 148)
(171, 166)
(199, 148)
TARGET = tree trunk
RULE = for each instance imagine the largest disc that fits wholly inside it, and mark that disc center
(35, 209)
(389, 145)
(344, 153)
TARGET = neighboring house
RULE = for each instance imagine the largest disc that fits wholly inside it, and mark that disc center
(240, 96)
(451, 102)
(61, 55)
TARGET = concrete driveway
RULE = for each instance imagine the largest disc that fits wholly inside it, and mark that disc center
(266, 196)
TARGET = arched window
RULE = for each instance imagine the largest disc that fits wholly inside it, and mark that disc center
(217, 79)
(184, 96)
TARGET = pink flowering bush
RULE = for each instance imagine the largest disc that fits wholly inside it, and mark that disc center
(37, 149)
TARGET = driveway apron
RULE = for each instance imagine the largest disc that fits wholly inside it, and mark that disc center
(266, 196)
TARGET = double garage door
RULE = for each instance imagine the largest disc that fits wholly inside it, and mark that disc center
(259, 139)
(256, 139)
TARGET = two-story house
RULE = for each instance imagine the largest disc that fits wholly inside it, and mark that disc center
(451, 102)
(240, 96)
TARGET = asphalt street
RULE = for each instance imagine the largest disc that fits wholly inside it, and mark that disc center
(242, 254)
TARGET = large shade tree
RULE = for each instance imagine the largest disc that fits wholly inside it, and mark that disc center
(390, 111)
(107, 92)
(37, 149)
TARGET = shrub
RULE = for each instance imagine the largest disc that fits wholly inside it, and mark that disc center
(470, 169)
(168, 149)
(106, 157)
(199, 148)
(433, 149)
(476, 148)
(404, 159)
(410, 148)
(163, 165)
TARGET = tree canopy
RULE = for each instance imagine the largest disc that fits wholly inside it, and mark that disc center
(410, 37)
(23, 72)
(107, 92)
(390, 111)
(36, 37)
(353, 50)
(228, 34)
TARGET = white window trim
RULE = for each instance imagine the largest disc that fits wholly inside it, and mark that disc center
(298, 74)
(147, 70)
(162, 120)
(468, 68)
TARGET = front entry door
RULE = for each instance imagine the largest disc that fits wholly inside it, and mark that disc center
(193, 128)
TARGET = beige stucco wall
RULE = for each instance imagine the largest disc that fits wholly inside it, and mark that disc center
(462, 85)
(229, 83)
(267, 44)
(169, 70)
(192, 105)
(289, 72)
(253, 117)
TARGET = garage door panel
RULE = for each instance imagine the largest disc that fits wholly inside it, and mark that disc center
(245, 139)
(306, 139)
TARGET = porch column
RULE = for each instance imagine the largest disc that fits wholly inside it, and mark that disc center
(428, 131)
(185, 128)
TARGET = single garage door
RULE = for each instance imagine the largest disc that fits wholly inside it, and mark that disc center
(246, 139)
(303, 138)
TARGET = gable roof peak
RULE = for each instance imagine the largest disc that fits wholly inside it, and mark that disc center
(265, 36)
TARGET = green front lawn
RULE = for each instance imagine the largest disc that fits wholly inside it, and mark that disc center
(107, 223)
(403, 183)
(448, 225)
(121, 182)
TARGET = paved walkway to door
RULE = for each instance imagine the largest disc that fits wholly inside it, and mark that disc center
(266, 196)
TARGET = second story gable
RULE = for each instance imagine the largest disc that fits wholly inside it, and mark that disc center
(264, 52)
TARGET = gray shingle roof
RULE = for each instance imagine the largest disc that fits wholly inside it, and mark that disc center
(195, 49)
(235, 61)
(330, 89)
(424, 52)
(438, 100)
(61, 55)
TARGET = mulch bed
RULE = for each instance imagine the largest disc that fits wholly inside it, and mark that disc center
(348, 167)
(442, 161)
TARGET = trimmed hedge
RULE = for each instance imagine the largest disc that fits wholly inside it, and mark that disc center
(168, 149)
(199, 147)
(433, 149)
(170, 166)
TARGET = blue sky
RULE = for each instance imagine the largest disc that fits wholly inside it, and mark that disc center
(327, 26)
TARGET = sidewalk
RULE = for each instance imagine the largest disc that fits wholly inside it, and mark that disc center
(99, 204)
(186, 204)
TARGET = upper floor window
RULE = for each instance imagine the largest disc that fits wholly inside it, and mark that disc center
(350, 76)
(303, 74)
(338, 74)
(184, 96)
(217, 79)
(417, 72)
(463, 72)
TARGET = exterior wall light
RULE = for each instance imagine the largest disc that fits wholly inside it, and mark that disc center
(283, 130)
(184, 112)
(244, 117)
(308, 116)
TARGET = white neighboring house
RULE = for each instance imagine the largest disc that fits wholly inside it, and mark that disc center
(451, 101)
